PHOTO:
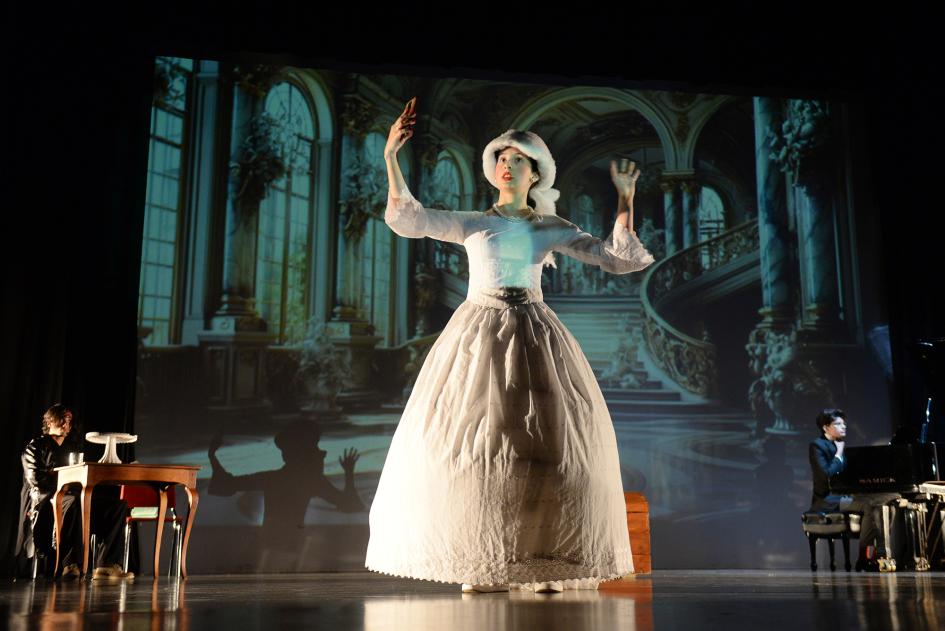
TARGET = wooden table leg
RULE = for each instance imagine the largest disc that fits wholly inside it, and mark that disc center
(159, 531)
(193, 498)
(57, 518)
(86, 499)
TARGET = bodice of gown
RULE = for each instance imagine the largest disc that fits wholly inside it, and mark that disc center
(505, 260)
(506, 257)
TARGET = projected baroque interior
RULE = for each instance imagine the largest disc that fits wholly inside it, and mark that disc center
(282, 322)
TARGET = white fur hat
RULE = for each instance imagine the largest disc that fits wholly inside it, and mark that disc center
(534, 147)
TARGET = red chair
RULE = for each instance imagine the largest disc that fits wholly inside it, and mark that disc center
(144, 504)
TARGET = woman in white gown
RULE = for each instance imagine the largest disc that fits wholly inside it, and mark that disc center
(504, 468)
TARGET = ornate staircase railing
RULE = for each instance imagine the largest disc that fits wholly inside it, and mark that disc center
(690, 362)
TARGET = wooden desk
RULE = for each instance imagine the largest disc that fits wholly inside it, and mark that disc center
(159, 477)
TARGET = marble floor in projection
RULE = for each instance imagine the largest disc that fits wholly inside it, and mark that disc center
(366, 601)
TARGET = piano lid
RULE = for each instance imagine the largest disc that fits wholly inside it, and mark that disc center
(887, 468)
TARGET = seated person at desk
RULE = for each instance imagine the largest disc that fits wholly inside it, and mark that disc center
(60, 440)
(826, 460)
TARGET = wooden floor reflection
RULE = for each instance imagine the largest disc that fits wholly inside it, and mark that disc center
(663, 600)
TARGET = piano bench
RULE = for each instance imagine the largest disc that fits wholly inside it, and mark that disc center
(830, 525)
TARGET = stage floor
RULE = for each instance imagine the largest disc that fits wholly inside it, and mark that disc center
(728, 600)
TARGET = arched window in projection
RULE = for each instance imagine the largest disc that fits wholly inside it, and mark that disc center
(285, 220)
(164, 205)
(446, 192)
(447, 185)
(376, 264)
(711, 219)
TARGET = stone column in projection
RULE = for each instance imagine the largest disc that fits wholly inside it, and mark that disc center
(807, 151)
(347, 329)
(788, 384)
(671, 214)
(808, 156)
(774, 235)
(356, 118)
(427, 280)
(202, 273)
(234, 350)
(244, 192)
(772, 338)
(691, 191)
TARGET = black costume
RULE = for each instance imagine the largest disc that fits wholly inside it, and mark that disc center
(40, 457)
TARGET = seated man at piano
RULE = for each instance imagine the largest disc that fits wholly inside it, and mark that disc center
(59, 445)
(827, 460)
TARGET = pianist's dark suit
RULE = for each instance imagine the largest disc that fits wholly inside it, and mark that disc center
(823, 465)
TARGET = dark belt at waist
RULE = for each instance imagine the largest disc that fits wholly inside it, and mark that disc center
(504, 297)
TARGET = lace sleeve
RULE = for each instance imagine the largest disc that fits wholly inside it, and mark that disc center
(408, 218)
(621, 253)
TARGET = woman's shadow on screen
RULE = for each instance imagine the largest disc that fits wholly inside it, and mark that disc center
(288, 490)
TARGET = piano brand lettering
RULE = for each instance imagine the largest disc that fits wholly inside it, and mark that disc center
(877, 480)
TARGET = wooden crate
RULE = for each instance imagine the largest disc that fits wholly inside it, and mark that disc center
(638, 523)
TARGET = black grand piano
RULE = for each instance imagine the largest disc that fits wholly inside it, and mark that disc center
(909, 465)
(893, 468)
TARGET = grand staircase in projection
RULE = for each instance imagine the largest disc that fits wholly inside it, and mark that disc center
(677, 370)
(596, 322)
(678, 288)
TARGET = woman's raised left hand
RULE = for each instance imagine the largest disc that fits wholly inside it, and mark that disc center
(625, 177)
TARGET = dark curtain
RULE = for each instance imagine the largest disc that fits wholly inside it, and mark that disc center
(76, 129)
(906, 158)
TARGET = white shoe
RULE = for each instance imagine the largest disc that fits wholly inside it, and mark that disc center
(549, 587)
(468, 589)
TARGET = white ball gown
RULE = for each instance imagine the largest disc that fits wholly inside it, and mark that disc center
(504, 466)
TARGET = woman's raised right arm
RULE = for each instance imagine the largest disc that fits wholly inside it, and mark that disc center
(404, 214)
